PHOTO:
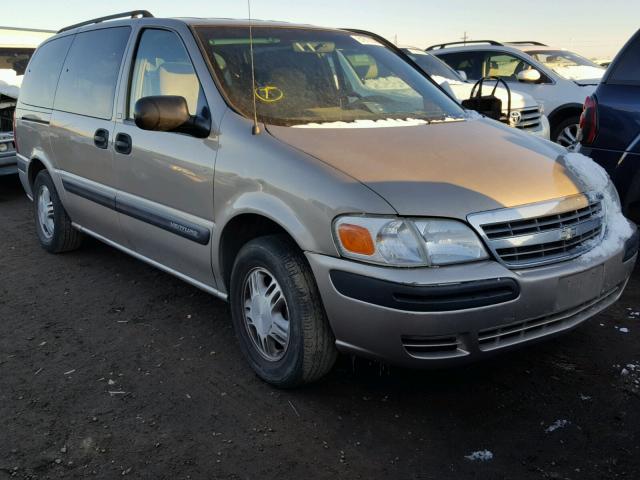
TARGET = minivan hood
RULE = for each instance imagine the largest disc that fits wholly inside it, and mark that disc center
(449, 169)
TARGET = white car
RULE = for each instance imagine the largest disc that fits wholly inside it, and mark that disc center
(559, 79)
(526, 114)
(16, 47)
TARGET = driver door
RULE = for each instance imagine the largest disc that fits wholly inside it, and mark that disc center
(165, 179)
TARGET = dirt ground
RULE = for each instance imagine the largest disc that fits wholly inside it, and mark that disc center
(109, 367)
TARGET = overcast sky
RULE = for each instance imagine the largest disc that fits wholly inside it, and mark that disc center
(594, 28)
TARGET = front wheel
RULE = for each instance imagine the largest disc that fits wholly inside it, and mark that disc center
(565, 133)
(278, 315)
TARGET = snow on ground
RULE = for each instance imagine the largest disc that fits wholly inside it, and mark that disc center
(480, 455)
(630, 375)
(556, 425)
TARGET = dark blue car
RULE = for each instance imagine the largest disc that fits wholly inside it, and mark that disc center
(610, 125)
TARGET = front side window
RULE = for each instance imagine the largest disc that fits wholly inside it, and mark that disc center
(504, 66)
(163, 67)
(316, 76)
(90, 73)
(568, 64)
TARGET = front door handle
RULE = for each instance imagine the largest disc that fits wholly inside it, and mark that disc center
(101, 138)
(123, 143)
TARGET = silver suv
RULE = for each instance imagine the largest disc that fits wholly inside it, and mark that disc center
(319, 182)
(559, 79)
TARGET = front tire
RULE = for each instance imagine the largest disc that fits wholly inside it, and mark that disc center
(53, 225)
(278, 315)
(565, 133)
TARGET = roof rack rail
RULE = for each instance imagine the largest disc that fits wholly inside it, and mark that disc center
(444, 45)
(131, 14)
(527, 43)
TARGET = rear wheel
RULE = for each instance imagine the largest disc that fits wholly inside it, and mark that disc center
(277, 313)
(53, 226)
(566, 132)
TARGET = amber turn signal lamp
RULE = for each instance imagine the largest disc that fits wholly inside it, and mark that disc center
(356, 239)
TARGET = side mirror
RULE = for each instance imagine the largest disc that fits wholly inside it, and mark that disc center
(529, 76)
(463, 75)
(169, 113)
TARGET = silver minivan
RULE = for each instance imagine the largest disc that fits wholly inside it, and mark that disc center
(322, 184)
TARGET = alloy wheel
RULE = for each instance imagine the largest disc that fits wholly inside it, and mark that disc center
(45, 212)
(266, 315)
(569, 135)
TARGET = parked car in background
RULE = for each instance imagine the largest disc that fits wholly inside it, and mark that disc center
(333, 194)
(558, 79)
(16, 47)
(610, 125)
(526, 114)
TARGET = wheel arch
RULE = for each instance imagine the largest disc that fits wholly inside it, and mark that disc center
(238, 231)
(563, 112)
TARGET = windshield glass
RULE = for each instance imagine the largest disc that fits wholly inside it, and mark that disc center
(305, 76)
(13, 63)
(433, 66)
(568, 64)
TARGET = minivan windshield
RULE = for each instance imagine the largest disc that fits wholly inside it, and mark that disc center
(568, 64)
(311, 76)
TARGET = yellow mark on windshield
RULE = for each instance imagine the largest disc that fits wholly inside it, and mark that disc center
(269, 94)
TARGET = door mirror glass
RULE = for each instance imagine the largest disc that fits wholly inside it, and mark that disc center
(463, 74)
(530, 76)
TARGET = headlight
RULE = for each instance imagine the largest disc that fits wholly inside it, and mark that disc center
(4, 147)
(407, 243)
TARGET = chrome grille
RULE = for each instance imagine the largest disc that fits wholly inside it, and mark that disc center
(529, 118)
(542, 233)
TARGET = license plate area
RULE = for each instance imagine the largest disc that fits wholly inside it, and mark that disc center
(579, 288)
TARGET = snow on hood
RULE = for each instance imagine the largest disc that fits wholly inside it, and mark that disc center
(595, 178)
(580, 73)
(9, 90)
(10, 83)
(382, 123)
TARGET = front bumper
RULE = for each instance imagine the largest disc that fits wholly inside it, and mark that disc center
(414, 333)
(8, 163)
(8, 159)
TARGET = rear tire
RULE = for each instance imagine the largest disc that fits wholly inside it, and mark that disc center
(565, 133)
(53, 225)
(308, 352)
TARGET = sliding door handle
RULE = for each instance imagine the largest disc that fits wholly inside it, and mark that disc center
(101, 138)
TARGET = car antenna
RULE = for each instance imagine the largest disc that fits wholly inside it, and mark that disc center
(256, 128)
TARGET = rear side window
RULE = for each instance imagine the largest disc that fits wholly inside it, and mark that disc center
(39, 85)
(470, 63)
(88, 81)
(626, 70)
